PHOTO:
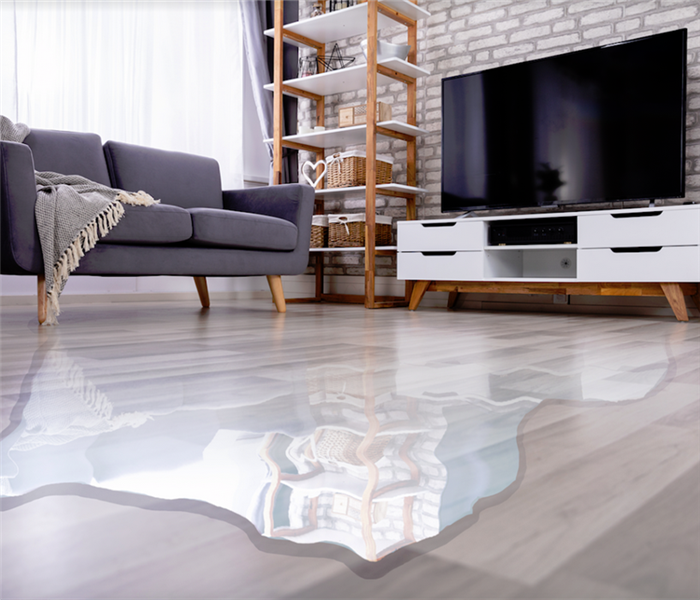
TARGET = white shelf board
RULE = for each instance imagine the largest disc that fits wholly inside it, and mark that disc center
(355, 249)
(346, 136)
(389, 187)
(535, 247)
(348, 22)
(349, 79)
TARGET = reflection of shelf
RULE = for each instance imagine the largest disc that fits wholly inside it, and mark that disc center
(348, 22)
(352, 486)
(349, 79)
(357, 134)
(329, 482)
(383, 187)
(355, 249)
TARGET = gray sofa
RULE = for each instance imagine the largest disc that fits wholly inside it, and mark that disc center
(197, 230)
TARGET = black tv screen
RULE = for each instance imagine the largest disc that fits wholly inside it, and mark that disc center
(598, 125)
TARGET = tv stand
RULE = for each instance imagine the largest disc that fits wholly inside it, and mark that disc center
(623, 252)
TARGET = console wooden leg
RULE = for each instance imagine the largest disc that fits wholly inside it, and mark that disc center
(275, 283)
(41, 298)
(419, 290)
(202, 290)
(452, 299)
(675, 298)
(696, 300)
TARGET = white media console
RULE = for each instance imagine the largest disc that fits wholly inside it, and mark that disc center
(625, 252)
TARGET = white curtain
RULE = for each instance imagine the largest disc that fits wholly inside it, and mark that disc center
(165, 74)
(254, 44)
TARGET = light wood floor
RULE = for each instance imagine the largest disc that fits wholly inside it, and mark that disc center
(604, 503)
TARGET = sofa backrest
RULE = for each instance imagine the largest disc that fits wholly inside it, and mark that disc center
(69, 153)
(185, 180)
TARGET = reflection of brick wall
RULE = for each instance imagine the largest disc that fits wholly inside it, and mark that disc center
(466, 36)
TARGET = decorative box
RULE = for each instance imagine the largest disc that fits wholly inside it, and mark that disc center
(357, 115)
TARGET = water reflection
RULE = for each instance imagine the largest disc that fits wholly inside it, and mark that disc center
(370, 459)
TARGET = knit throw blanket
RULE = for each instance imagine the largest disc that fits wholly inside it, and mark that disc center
(72, 213)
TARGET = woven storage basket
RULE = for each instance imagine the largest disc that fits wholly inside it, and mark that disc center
(348, 231)
(347, 169)
(341, 446)
(319, 231)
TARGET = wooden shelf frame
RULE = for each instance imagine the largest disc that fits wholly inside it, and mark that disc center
(343, 24)
(349, 22)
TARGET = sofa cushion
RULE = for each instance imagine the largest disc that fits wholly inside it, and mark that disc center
(175, 178)
(69, 153)
(233, 229)
(153, 225)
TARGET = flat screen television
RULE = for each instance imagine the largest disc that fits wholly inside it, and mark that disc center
(603, 124)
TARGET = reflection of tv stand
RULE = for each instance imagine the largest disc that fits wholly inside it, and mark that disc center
(622, 252)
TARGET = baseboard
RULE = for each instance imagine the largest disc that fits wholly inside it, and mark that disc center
(149, 297)
(302, 286)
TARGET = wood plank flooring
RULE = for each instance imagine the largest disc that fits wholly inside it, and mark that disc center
(604, 500)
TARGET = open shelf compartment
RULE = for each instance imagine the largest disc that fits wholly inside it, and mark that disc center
(531, 263)
(348, 79)
(348, 136)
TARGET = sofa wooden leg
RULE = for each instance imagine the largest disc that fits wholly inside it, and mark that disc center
(275, 283)
(202, 290)
(41, 298)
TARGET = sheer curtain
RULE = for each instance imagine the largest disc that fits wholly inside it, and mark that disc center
(162, 74)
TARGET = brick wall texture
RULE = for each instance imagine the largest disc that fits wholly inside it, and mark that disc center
(464, 36)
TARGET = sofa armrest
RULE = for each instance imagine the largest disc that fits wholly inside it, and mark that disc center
(291, 201)
(21, 249)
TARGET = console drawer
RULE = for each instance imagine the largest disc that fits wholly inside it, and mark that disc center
(447, 266)
(440, 235)
(670, 264)
(648, 228)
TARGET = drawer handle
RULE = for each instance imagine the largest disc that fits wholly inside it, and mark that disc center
(655, 213)
(636, 249)
(438, 224)
(439, 253)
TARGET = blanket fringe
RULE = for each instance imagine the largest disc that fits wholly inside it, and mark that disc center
(139, 198)
(70, 259)
(66, 406)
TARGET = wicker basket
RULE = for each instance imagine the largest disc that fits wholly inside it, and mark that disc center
(319, 231)
(335, 445)
(348, 231)
(347, 169)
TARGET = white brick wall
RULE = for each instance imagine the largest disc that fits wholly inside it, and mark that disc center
(463, 36)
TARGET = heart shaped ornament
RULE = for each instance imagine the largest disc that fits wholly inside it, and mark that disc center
(313, 166)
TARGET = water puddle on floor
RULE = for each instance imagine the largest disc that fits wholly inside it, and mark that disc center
(367, 458)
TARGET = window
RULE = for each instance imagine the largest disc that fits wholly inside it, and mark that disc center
(162, 74)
